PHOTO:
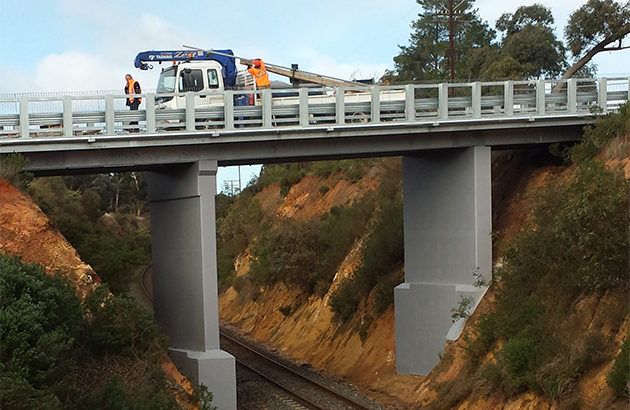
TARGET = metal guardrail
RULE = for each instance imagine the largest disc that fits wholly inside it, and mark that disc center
(104, 113)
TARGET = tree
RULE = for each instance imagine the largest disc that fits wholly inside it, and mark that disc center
(426, 56)
(594, 28)
(528, 39)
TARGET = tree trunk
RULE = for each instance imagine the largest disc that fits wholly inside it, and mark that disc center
(599, 47)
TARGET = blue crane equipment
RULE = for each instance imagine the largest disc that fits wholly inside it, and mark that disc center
(223, 57)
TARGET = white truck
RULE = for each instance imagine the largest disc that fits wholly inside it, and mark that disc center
(215, 71)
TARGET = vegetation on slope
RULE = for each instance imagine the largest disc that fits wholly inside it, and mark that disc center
(100, 216)
(574, 247)
(306, 253)
(382, 255)
(60, 352)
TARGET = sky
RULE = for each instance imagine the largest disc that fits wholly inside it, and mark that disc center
(81, 45)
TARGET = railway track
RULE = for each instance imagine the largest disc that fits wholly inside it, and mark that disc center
(311, 393)
(291, 389)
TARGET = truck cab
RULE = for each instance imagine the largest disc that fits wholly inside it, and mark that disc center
(195, 76)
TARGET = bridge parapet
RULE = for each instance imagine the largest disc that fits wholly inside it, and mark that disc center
(104, 113)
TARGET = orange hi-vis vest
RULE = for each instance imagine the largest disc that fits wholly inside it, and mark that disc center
(260, 74)
(131, 89)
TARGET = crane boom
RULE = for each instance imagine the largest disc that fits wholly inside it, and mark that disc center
(290, 72)
(223, 57)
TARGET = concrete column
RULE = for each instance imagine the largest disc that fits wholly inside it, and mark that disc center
(447, 225)
(183, 240)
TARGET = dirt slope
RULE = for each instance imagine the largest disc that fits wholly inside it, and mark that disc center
(310, 335)
(26, 231)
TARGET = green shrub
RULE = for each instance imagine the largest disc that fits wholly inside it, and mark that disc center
(462, 311)
(384, 291)
(118, 325)
(114, 395)
(285, 310)
(600, 133)
(308, 252)
(383, 255)
(519, 356)
(345, 299)
(246, 288)
(493, 374)
(11, 166)
(237, 227)
(485, 335)
(49, 338)
(40, 322)
(619, 376)
(575, 245)
(285, 175)
(204, 398)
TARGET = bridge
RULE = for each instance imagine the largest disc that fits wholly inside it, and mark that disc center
(445, 132)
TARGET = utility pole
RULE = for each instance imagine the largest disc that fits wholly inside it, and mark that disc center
(451, 40)
(239, 178)
(451, 11)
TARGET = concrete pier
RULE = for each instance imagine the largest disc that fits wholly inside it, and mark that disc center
(185, 290)
(447, 226)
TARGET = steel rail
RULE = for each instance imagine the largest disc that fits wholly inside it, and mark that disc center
(295, 396)
(311, 381)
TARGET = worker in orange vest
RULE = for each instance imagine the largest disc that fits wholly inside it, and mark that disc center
(260, 73)
(132, 87)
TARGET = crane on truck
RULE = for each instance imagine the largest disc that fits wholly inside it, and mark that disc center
(207, 73)
(227, 59)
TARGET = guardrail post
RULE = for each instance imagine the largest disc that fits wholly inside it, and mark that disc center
(410, 102)
(228, 109)
(540, 97)
(442, 110)
(190, 111)
(24, 123)
(67, 116)
(508, 98)
(571, 95)
(376, 104)
(149, 100)
(476, 100)
(109, 115)
(266, 108)
(303, 107)
(340, 108)
(602, 94)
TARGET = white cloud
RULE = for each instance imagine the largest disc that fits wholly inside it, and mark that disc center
(14, 80)
(74, 71)
(311, 60)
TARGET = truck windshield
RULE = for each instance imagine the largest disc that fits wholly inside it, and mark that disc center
(166, 83)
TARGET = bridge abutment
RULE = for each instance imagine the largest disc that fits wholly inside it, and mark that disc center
(185, 290)
(447, 226)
